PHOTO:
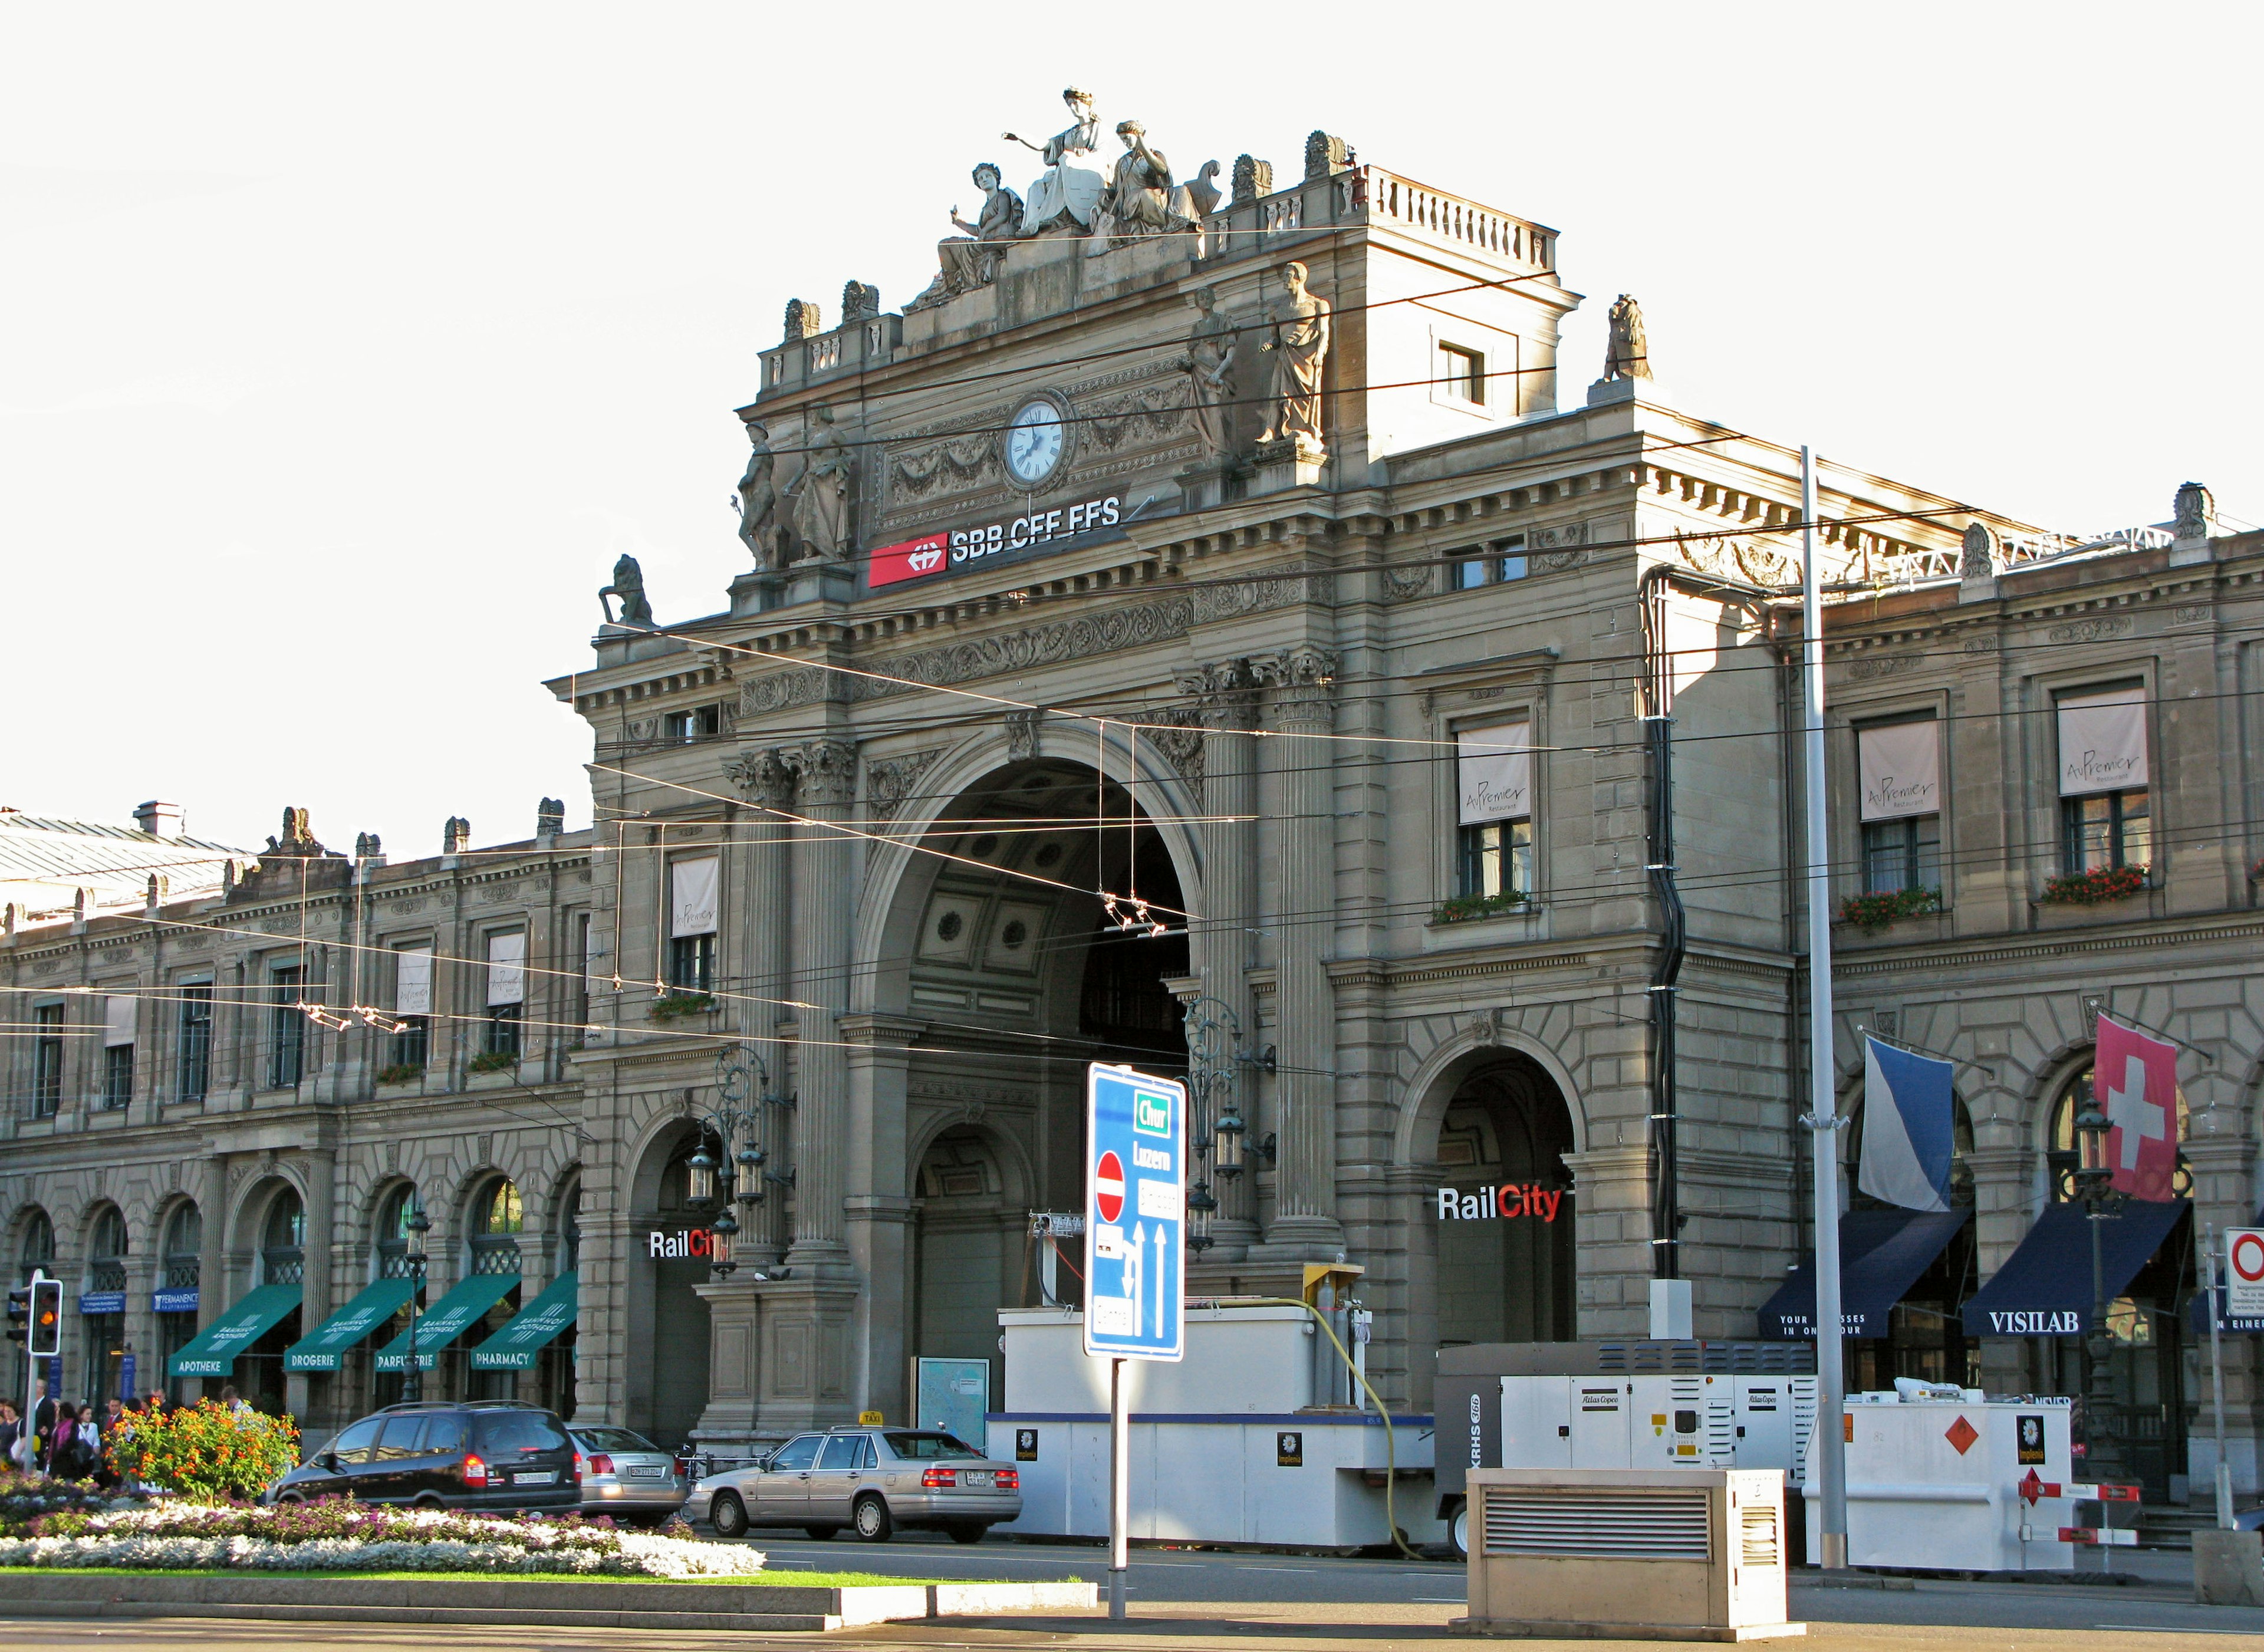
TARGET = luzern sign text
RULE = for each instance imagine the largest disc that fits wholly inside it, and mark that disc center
(934, 553)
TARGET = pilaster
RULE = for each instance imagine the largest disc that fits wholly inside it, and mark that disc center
(823, 771)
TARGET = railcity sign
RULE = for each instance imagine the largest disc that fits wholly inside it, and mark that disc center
(1508, 1201)
(677, 1246)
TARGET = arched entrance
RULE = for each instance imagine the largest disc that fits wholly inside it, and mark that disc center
(668, 1323)
(259, 1378)
(1022, 971)
(1502, 1211)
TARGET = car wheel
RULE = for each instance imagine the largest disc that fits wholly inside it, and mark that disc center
(872, 1519)
(966, 1533)
(821, 1533)
(1458, 1529)
(729, 1516)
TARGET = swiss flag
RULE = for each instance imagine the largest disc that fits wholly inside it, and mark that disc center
(2135, 1081)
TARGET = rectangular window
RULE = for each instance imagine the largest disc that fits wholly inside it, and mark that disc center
(1902, 854)
(1497, 858)
(1462, 374)
(195, 1078)
(1470, 575)
(412, 1046)
(581, 970)
(412, 979)
(1509, 557)
(286, 1028)
(504, 1028)
(682, 727)
(1899, 774)
(692, 963)
(48, 1060)
(2110, 829)
(695, 889)
(117, 1074)
(2106, 813)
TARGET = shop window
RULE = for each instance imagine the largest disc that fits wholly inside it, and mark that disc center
(287, 1027)
(196, 1041)
(1462, 375)
(46, 1061)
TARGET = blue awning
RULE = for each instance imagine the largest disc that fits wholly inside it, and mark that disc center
(2044, 1287)
(1881, 1253)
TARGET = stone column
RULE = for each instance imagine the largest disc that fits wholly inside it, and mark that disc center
(764, 921)
(2222, 1157)
(2002, 1170)
(879, 1209)
(1227, 695)
(1304, 1216)
(825, 770)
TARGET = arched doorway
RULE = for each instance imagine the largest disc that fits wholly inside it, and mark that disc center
(1503, 1210)
(499, 1218)
(669, 1327)
(281, 1260)
(102, 1309)
(1040, 937)
(180, 1273)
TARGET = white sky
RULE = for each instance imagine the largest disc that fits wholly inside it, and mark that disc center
(339, 358)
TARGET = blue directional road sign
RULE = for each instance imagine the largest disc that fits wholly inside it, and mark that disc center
(1136, 1201)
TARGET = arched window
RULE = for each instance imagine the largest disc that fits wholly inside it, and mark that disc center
(497, 1220)
(393, 1232)
(569, 1228)
(106, 1252)
(2064, 1154)
(38, 1247)
(183, 1246)
(283, 1241)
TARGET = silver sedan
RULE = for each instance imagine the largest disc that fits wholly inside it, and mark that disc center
(871, 1480)
(626, 1475)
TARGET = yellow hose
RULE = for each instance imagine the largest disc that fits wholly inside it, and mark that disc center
(1391, 1452)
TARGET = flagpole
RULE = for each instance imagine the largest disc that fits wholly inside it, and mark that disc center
(1828, 1441)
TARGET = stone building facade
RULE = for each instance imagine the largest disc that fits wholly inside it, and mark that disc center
(1130, 637)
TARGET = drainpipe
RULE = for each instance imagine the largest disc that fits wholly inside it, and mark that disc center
(1658, 741)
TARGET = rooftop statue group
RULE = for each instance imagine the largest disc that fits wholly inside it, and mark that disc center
(808, 521)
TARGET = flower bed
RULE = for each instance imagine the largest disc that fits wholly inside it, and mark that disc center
(23, 1500)
(2090, 888)
(338, 1534)
(1874, 910)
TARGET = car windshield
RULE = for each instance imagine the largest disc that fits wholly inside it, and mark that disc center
(921, 1447)
(613, 1439)
(521, 1431)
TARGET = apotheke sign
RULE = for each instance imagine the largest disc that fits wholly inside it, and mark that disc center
(934, 553)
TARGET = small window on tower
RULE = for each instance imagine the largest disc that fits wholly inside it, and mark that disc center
(682, 728)
(1462, 374)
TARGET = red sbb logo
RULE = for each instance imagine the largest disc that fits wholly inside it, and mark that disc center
(911, 560)
(684, 1242)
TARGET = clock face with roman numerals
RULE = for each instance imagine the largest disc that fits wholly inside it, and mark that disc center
(1035, 438)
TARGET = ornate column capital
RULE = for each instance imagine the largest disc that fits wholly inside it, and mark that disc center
(1303, 680)
(1225, 694)
(763, 776)
(826, 769)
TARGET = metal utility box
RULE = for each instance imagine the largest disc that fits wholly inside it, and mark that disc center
(1637, 1554)
(1619, 1405)
(1945, 1484)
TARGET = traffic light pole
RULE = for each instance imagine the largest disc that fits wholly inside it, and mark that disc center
(29, 1433)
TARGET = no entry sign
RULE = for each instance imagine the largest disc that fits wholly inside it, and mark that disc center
(2243, 1273)
(1108, 1187)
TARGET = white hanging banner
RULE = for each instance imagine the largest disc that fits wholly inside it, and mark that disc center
(117, 1020)
(507, 968)
(412, 992)
(2103, 743)
(1900, 768)
(1494, 770)
(692, 904)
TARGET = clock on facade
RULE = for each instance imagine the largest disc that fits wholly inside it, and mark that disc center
(1035, 439)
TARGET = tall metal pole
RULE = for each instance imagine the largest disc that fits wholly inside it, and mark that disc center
(1119, 1486)
(2217, 1381)
(1822, 1118)
(30, 1432)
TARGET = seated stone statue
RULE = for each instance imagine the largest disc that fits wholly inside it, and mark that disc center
(1142, 199)
(1067, 194)
(972, 260)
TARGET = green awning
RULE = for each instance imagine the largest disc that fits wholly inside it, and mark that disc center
(513, 1348)
(212, 1352)
(343, 1330)
(447, 1320)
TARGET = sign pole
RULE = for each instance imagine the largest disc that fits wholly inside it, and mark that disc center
(2217, 1381)
(29, 1435)
(1120, 1488)
(1827, 1442)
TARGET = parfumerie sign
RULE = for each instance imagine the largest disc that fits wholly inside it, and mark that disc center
(1496, 1204)
(934, 553)
(1494, 770)
(1900, 769)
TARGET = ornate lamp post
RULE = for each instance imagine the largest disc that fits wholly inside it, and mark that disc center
(412, 1233)
(1214, 1122)
(2093, 1187)
(737, 1172)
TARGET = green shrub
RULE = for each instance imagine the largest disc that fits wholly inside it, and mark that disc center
(207, 1453)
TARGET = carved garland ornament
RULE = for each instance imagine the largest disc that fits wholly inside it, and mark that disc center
(889, 781)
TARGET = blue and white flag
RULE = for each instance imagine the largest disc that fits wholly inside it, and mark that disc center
(1906, 1128)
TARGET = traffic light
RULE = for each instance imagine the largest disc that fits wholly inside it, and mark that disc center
(47, 1318)
(19, 1313)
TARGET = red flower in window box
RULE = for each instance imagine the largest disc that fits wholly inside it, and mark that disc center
(2091, 888)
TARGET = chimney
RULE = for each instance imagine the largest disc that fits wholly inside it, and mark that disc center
(160, 820)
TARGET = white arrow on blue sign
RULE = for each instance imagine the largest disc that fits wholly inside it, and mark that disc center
(1135, 1258)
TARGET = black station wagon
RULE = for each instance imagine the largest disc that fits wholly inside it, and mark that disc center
(498, 1457)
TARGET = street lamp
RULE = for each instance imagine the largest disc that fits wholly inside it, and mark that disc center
(1215, 1123)
(737, 1171)
(413, 1231)
(2093, 1187)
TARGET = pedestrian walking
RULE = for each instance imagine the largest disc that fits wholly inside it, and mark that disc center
(12, 1434)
